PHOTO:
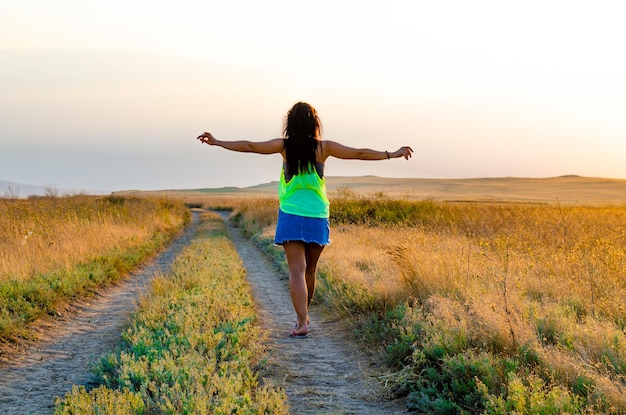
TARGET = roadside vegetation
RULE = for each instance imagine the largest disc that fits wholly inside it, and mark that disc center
(193, 346)
(478, 308)
(56, 249)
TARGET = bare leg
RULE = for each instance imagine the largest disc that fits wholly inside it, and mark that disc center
(312, 254)
(296, 261)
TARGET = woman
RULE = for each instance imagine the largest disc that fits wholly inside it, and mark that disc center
(303, 228)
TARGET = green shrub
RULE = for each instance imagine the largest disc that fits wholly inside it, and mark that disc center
(100, 401)
(531, 395)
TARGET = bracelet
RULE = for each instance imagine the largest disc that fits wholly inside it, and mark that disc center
(386, 152)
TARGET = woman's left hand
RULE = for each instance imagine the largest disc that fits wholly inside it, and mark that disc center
(405, 152)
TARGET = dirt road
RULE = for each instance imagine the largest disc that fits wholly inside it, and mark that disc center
(322, 374)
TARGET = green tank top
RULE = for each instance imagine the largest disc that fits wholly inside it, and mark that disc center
(303, 195)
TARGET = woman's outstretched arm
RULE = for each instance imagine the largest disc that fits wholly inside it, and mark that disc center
(260, 147)
(334, 149)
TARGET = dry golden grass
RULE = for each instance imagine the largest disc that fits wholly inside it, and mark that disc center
(54, 250)
(41, 234)
(549, 278)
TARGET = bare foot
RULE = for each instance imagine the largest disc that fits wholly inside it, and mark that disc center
(300, 331)
(308, 322)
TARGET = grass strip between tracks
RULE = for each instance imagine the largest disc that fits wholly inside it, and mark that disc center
(193, 346)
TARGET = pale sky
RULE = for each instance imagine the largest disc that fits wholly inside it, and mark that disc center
(110, 95)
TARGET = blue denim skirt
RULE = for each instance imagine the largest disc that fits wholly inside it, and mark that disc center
(300, 228)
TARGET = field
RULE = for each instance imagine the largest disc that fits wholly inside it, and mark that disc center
(480, 307)
(565, 189)
(495, 297)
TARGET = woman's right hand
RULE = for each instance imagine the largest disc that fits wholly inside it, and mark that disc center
(207, 138)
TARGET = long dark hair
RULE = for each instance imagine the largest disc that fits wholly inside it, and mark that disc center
(302, 129)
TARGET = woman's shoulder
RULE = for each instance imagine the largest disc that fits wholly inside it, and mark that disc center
(328, 143)
(327, 147)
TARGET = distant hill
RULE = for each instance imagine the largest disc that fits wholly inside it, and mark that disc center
(12, 189)
(564, 189)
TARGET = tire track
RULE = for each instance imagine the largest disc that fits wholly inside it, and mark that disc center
(324, 373)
